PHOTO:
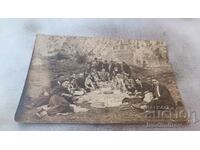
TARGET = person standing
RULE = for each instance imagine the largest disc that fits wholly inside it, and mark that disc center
(99, 65)
(111, 69)
(126, 69)
(119, 68)
(106, 66)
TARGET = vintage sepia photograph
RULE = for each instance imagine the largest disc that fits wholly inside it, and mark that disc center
(100, 81)
(110, 72)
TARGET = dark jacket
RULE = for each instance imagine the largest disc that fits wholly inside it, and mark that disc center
(80, 82)
(165, 100)
(99, 66)
(119, 68)
(145, 87)
(126, 69)
(106, 67)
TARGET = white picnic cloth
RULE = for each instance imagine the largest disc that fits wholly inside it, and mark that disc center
(100, 98)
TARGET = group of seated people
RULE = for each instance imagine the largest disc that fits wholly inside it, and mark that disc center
(95, 73)
(64, 94)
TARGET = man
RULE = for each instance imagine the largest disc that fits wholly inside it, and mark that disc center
(106, 66)
(118, 82)
(119, 68)
(162, 97)
(80, 81)
(142, 87)
(94, 64)
(42, 99)
(129, 84)
(115, 71)
(88, 67)
(104, 76)
(57, 104)
(95, 76)
(111, 69)
(75, 87)
(99, 65)
(126, 69)
(89, 85)
(66, 90)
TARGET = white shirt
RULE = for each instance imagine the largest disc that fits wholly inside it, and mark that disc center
(158, 91)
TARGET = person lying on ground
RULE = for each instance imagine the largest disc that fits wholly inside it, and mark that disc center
(57, 104)
(42, 99)
(106, 65)
(62, 90)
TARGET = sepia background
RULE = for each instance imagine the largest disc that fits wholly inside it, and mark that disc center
(17, 40)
